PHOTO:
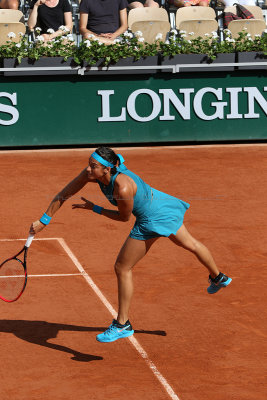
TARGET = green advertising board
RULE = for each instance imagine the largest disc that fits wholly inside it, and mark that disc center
(85, 110)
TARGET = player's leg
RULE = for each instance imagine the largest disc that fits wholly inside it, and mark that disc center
(184, 239)
(131, 252)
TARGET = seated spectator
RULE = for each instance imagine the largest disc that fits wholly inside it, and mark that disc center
(189, 3)
(50, 14)
(103, 20)
(11, 4)
(143, 3)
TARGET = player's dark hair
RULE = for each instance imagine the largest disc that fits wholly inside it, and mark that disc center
(109, 155)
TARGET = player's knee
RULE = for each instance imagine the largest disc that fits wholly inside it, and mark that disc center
(121, 269)
(193, 245)
(118, 267)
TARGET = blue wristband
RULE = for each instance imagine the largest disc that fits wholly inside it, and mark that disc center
(45, 219)
(97, 209)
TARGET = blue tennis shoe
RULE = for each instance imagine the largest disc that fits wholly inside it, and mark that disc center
(115, 331)
(219, 282)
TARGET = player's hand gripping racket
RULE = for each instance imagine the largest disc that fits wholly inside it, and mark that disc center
(13, 274)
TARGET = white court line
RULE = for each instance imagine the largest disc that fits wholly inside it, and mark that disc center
(13, 240)
(121, 149)
(40, 276)
(107, 304)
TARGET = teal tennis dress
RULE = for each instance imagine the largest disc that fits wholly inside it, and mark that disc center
(157, 213)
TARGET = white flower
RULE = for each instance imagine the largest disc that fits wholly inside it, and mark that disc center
(64, 28)
(257, 35)
(21, 34)
(192, 33)
(167, 42)
(90, 36)
(88, 43)
(141, 39)
(248, 35)
(214, 34)
(39, 38)
(128, 34)
(244, 29)
(182, 31)
(138, 34)
(229, 40)
(227, 31)
(159, 36)
(207, 34)
(50, 30)
(250, 39)
(174, 32)
(116, 41)
(70, 37)
(11, 35)
(189, 41)
(183, 35)
(265, 31)
(18, 45)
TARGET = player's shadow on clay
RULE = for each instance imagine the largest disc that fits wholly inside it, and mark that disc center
(39, 332)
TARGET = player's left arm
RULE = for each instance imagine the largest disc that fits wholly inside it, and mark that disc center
(125, 200)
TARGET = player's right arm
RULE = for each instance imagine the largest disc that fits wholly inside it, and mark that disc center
(68, 191)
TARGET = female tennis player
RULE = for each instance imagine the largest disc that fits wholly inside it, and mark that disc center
(157, 214)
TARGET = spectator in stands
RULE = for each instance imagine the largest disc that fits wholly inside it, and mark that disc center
(11, 4)
(144, 3)
(103, 20)
(229, 3)
(189, 3)
(50, 14)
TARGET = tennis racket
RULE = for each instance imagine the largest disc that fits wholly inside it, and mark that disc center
(13, 274)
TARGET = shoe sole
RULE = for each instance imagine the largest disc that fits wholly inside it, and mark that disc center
(217, 288)
(125, 335)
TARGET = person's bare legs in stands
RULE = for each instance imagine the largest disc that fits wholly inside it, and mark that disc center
(147, 3)
(189, 3)
(9, 4)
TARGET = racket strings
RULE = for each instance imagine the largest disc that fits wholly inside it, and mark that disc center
(12, 279)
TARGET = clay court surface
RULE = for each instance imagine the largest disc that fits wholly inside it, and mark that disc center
(188, 345)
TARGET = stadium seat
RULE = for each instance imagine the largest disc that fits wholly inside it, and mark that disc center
(254, 26)
(6, 28)
(150, 21)
(196, 20)
(9, 15)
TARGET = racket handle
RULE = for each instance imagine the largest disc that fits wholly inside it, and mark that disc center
(29, 240)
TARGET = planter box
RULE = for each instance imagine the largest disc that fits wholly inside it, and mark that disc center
(125, 62)
(253, 57)
(44, 62)
(199, 59)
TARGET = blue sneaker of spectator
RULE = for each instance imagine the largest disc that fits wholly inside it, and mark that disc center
(115, 331)
(219, 282)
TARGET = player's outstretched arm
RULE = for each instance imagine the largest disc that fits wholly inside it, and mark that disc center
(68, 191)
(124, 197)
